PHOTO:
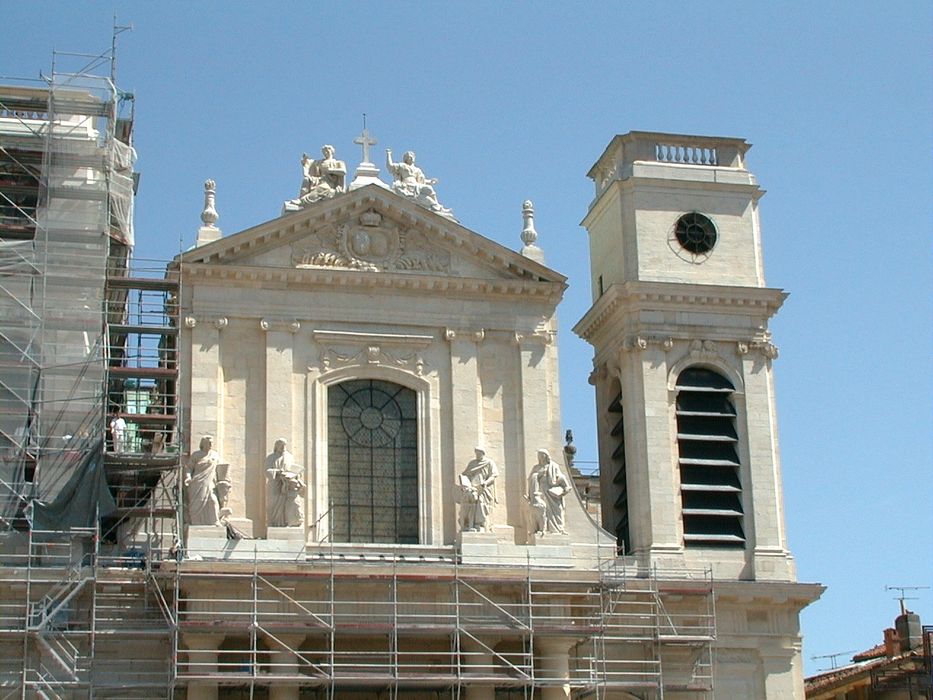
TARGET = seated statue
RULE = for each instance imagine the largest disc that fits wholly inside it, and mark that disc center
(409, 181)
(321, 178)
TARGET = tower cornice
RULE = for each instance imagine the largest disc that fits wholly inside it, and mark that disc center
(662, 296)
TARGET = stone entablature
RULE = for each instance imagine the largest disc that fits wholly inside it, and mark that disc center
(729, 313)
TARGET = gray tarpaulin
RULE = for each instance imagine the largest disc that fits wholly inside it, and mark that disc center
(83, 497)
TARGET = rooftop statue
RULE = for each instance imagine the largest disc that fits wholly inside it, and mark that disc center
(320, 179)
(409, 181)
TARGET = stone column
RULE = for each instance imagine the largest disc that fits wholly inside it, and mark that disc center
(552, 658)
(285, 663)
(202, 660)
(477, 661)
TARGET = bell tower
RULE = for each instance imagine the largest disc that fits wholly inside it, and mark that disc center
(688, 452)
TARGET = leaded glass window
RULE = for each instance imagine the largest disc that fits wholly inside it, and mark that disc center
(372, 460)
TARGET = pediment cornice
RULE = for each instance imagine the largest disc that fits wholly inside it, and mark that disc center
(236, 249)
(348, 279)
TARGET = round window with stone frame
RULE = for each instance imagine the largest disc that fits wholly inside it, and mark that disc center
(693, 237)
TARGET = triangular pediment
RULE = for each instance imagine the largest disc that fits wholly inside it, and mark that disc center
(371, 230)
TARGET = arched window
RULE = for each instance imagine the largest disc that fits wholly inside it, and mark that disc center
(710, 487)
(372, 461)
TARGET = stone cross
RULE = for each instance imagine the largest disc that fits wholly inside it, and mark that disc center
(365, 140)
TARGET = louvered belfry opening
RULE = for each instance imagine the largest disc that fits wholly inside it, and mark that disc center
(710, 487)
(620, 505)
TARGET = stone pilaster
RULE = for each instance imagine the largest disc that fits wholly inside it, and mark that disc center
(279, 379)
(552, 658)
(477, 662)
(654, 496)
(206, 380)
(466, 398)
(280, 400)
(202, 660)
(783, 677)
(536, 424)
(285, 664)
(763, 483)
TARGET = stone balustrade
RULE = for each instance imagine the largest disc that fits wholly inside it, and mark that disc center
(625, 150)
(685, 153)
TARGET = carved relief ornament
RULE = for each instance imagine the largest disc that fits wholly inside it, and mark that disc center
(342, 348)
(477, 336)
(371, 243)
(331, 358)
(765, 348)
(269, 324)
(218, 322)
(634, 343)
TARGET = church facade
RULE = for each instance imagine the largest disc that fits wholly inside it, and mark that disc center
(335, 459)
(380, 389)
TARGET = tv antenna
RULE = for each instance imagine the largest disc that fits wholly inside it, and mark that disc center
(902, 597)
(832, 657)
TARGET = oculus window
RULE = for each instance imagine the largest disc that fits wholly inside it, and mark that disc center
(693, 238)
(372, 460)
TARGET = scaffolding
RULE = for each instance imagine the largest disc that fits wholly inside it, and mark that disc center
(77, 623)
(103, 608)
(437, 629)
(66, 194)
(87, 335)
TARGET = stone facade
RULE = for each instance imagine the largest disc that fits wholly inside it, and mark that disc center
(366, 316)
(367, 285)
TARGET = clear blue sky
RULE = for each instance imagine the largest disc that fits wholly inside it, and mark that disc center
(508, 101)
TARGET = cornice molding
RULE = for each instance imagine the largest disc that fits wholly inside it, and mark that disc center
(314, 278)
(636, 296)
(416, 342)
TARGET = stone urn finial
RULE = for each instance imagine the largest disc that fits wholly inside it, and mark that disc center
(209, 216)
(208, 233)
(529, 235)
(530, 248)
